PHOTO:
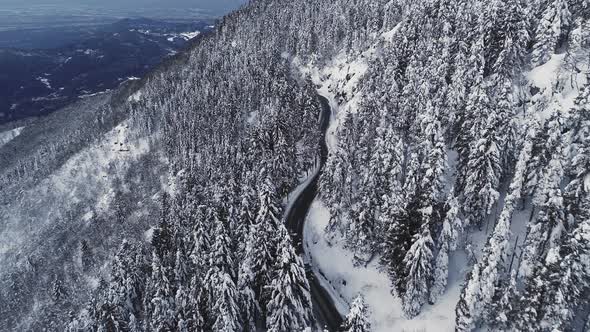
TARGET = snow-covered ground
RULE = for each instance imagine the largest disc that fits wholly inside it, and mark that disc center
(135, 96)
(88, 177)
(345, 281)
(9, 135)
(170, 36)
(45, 82)
(558, 86)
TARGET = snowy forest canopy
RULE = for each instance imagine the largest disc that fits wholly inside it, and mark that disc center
(448, 135)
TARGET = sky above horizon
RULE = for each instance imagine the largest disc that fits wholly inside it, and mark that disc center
(214, 7)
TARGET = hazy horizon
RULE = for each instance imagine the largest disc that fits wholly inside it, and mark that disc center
(214, 7)
(40, 14)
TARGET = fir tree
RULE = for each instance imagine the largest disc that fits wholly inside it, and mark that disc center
(441, 265)
(398, 241)
(225, 308)
(250, 308)
(289, 307)
(505, 309)
(357, 319)
(110, 320)
(265, 227)
(551, 29)
(483, 169)
(160, 298)
(468, 305)
(86, 255)
(58, 291)
(546, 230)
(418, 272)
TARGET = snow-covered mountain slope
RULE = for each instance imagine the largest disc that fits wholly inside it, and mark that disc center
(455, 195)
(348, 239)
(73, 188)
(8, 135)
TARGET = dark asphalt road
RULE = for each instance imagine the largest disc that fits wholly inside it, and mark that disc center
(324, 309)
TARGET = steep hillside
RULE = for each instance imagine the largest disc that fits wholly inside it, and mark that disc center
(455, 194)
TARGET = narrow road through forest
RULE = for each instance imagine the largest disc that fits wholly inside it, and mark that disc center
(324, 309)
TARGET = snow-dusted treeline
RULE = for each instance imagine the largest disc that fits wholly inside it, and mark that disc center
(448, 135)
(469, 113)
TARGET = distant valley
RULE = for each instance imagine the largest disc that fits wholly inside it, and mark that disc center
(72, 62)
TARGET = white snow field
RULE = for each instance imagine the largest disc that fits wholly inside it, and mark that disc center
(9, 135)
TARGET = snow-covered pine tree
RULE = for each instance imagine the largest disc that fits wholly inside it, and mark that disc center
(577, 192)
(126, 284)
(483, 172)
(546, 230)
(468, 305)
(505, 309)
(494, 259)
(577, 51)
(109, 320)
(418, 272)
(357, 319)
(406, 222)
(181, 268)
(249, 306)
(551, 30)
(222, 255)
(560, 294)
(469, 121)
(246, 215)
(441, 264)
(182, 308)
(530, 304)
(159, 298)
(568, 280)
(162, 237)
(266, 228)
(58, 290)
(546, 143)
(201, 240)
(509, 35)
(195, 310)
(86, 255)
(225, 308)
(382, 179)
(289, 307)
(361, 231)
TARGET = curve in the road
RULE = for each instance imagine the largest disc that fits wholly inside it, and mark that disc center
(324, 309)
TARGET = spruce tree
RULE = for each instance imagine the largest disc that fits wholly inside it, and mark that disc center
(483, 173)
(160, 298)
(225, 302)
(551, 29)
(506, 309)
(546, 230)
(289, 305)
(468, 305)
(357, 319)
(441, 264)
(249, 305)
(266, 226)
(418, 272)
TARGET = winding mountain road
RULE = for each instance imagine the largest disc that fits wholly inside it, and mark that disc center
(324, 309)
